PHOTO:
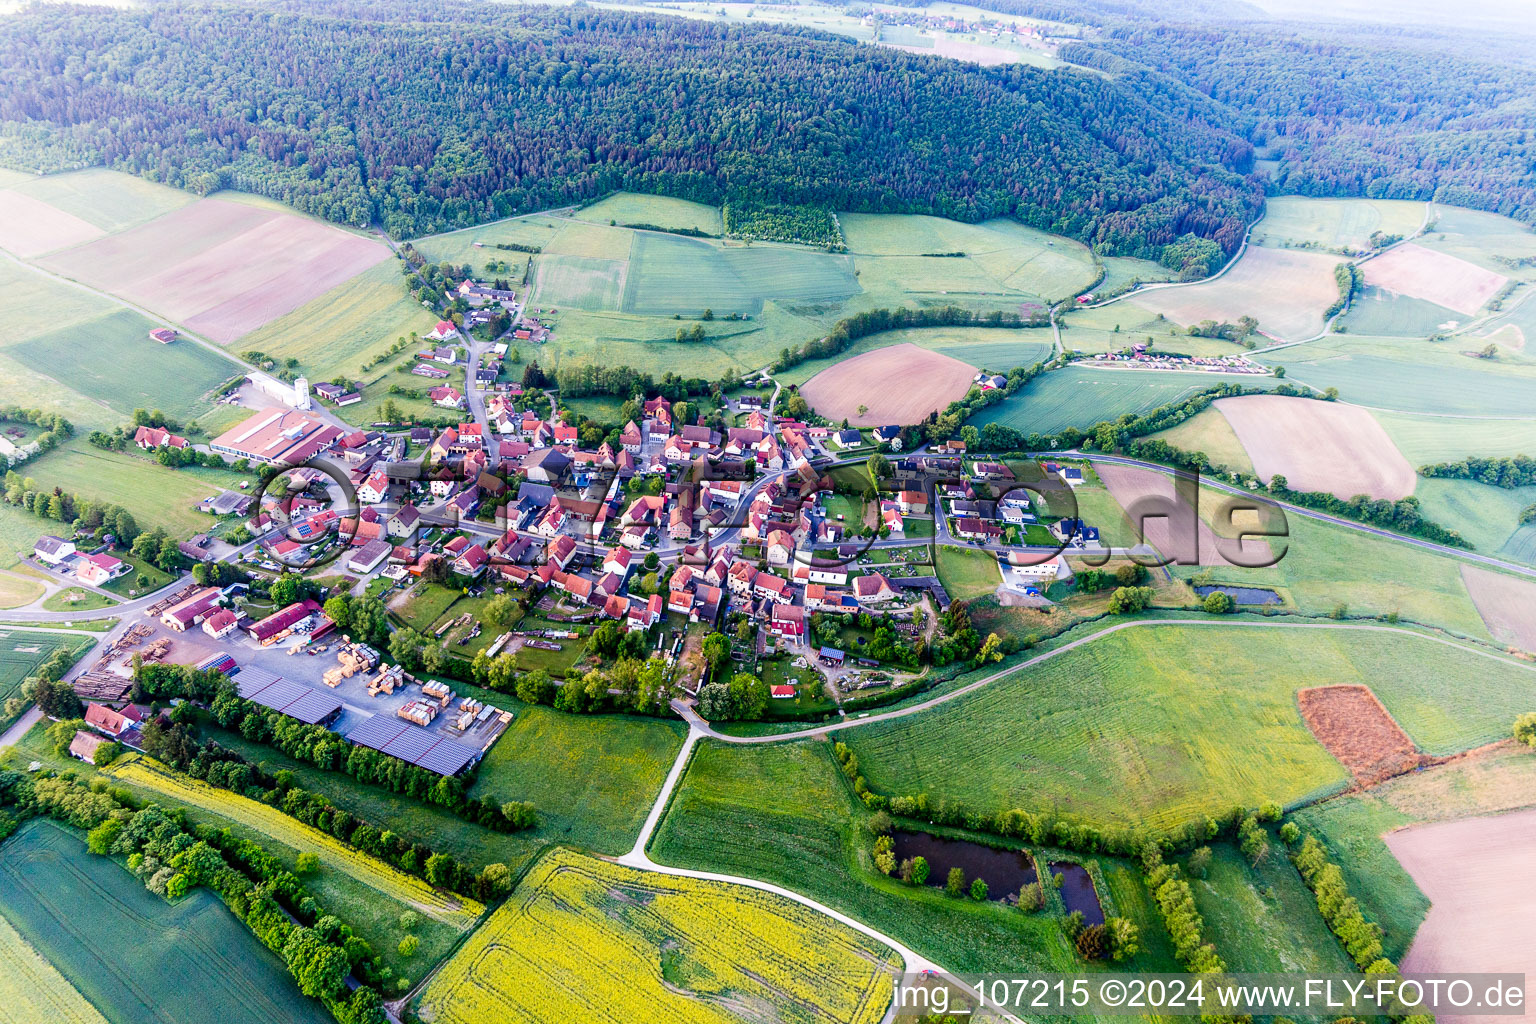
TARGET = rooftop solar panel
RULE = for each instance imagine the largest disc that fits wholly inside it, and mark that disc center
(313, 707)
(448, 757)
(279, 694)
(253, 678)
(377, 731)
(411, 744)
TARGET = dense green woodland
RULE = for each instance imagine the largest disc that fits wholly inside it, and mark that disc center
(372, 112)
(1385, 113)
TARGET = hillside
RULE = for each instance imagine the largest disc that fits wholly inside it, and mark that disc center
(471, 113)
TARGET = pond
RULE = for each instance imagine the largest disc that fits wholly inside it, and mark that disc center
(1004, 871)
(1242, 595)
(1077, 890)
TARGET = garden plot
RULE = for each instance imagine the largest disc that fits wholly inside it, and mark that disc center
(582, 939)
(1506, 603)
(1436, 277)
(1285, 291)
(222, 268)
(898, 384)
(1477, 875)
(1351, 723)
(1319, 446)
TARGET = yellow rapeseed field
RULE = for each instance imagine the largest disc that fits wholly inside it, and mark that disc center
(584, 939)
(31, 990)
(334, 854)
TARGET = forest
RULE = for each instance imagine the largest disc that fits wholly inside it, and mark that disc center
(1369, 111)
(429, 116)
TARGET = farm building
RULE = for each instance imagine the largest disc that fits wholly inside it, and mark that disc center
(367, 558)
(279, 623)
(164, 335)
(221, 623)
(276, 436)
(85, 744)
(188, 613)
(156, 437)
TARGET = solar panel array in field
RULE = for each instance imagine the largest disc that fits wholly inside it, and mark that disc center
(413, 744)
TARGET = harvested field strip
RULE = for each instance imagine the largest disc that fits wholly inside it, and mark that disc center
(1477, 875)
(900, 384)
(32, 990)
(1351, 723)
(30, 227)
(1285, 291)
(1319, 446)
(137, 958)
(1436, 277)
(1506, 603)
(1185, 537)
(581, 939)
(223, 268)
(333, 853)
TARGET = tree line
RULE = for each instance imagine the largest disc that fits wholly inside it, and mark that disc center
(319, 746)
(444, 114)
(173, 856)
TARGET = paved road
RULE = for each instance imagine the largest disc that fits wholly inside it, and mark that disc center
(1324, 517)
(21, 726)
(125, 609)
(695, 722)
(913, 961)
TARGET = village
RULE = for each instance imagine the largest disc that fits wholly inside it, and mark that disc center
(791, 539)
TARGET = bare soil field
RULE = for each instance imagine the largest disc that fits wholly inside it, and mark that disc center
(222, 268)
(1184, 536)
(1354, 727)
(1506, 603)
(1319, 446)
(900, 384)
(30, 227)
(1477, 876)
(1284, 290)
(1436, 277)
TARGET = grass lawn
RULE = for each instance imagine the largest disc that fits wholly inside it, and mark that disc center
(140, 959)
(967, 572)
(347, 326)
(632, 209)
(1097, 507)
(1081, 396)
(156, 495)
(422, 607)
(1411, 375)
(784, 814)
(18, 590)
(76, 599)
(127, 585)
(1208, 431)
(23, 650)
(1352, 827)
(1264, 919)
(1324, 566)
(592, 777)
(1166, 723)
(914, 527)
